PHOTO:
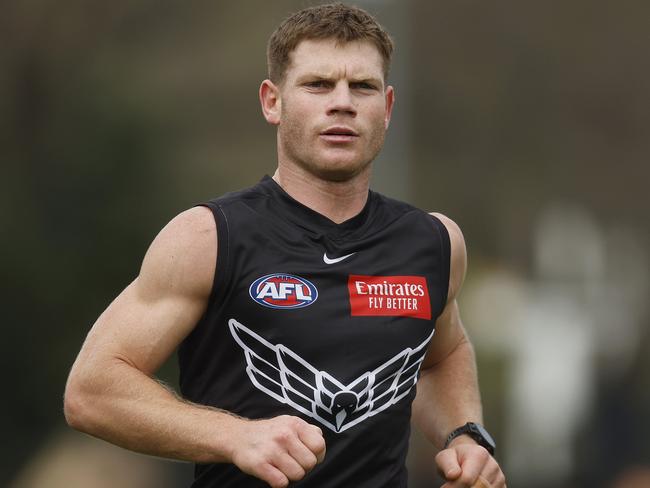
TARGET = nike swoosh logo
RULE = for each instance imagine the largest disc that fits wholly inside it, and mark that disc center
(336, 260)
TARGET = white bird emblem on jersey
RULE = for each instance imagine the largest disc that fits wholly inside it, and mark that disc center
(282, 374)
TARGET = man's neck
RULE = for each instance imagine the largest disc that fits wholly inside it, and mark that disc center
(338, 201)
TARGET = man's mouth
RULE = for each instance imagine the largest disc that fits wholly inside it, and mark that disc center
(339, 134)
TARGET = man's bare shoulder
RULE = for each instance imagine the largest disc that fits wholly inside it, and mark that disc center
(458, 265)
(182, 257)
(455, 234)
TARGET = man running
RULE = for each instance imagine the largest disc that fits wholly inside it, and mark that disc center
(307, 310)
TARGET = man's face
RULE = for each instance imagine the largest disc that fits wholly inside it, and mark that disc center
(333, 108)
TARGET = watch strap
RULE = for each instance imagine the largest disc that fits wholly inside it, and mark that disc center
(476, 432)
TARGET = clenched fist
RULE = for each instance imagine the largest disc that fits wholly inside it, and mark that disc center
(465, 464)
(278, 450)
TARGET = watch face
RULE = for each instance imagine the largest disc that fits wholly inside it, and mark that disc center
(476, 432)
(484, 433)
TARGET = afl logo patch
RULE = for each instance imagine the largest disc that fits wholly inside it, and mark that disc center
(283, 291)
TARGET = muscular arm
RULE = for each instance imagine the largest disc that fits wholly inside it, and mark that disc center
(111, 391)
(448, 393)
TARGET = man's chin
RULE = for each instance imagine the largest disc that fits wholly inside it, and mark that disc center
(339, 173)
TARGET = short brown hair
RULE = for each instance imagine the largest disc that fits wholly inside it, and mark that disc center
(331, 21)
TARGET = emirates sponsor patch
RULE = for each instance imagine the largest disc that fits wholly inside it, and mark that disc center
(401, 296)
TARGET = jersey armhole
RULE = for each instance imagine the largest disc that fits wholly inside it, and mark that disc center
(222, 268)
(445, 257)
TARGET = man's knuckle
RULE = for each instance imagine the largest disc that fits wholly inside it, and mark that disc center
(466, 479)
(298, 423)
(282, 436)
(482, 452)
(319, 445)
(296, 474)
(288, 419)
(282, 482)
(285, 434)
(310, 462)
(273, 477)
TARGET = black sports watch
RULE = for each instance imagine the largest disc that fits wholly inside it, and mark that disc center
(476, 432)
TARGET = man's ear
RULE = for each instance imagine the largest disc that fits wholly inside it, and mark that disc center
(390, 100)
(271, 102)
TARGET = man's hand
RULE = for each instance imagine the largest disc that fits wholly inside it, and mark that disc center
(278, 450)
(468, 465)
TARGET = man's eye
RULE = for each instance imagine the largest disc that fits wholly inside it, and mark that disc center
(316, 84)
(362, 85)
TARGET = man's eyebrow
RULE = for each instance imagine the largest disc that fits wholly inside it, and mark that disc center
(367, 79)
(316, 76)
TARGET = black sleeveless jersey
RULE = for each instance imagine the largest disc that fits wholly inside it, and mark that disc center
(328, 322)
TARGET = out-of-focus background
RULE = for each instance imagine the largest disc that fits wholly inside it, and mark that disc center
(526, 122)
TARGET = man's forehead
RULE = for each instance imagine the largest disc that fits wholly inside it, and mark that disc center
(328, 57)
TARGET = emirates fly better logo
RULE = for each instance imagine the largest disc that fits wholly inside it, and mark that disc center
(401, 296)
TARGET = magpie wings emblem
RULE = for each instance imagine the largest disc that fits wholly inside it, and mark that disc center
(285, 376)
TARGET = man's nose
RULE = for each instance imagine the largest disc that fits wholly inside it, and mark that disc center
(341, 101)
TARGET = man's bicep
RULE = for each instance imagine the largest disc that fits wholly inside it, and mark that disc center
(143, 333)
(449, 334)
(148, 320)
(449, 328)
